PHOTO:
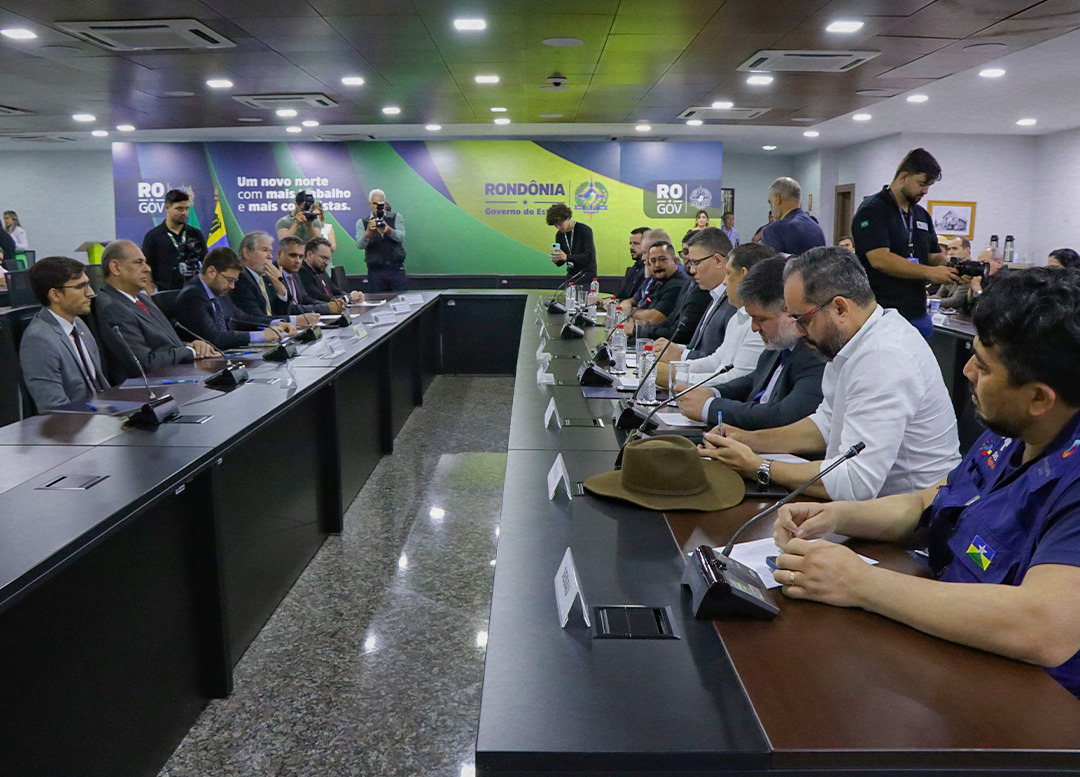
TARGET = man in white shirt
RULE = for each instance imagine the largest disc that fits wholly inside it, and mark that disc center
(882, 387)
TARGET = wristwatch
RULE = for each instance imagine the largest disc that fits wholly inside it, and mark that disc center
(764, 473)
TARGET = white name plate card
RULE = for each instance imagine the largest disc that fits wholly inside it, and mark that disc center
(543, 377)
(568, 591)
(552, 412)
(384, 318)
(558, 473)
(359, 331)
(401, 307)
(412, 299)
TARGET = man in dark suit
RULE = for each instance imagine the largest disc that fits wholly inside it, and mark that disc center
(260, 289)
(123, 303)
(786, 384)
(204, 307)
(635, 273)
(313, 276)
(59, 358)
(290, 258)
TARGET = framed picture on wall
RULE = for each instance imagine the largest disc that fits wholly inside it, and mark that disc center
(952, 219)
(727, 200)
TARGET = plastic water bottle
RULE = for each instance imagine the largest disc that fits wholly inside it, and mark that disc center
(571, 299)
(612, 315)
(618, 351)
(1010, 249)
(594, 292)
(647, 392)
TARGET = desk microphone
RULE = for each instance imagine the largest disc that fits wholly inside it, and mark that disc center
(285, 349)
(721, 586)
(556, 307)
(624, 419)
(233, 375)
(158, 409)
(644, 422)
(602, 355)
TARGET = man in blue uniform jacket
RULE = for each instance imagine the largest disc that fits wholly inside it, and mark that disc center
(1009, 515)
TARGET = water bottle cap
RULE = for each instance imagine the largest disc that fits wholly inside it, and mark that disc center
(648, 347)
(619, 326)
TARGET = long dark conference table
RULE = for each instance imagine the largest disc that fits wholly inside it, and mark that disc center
(136, 566)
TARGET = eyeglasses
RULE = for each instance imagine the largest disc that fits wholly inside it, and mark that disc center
(77, 287)
(694, 263)
(800, 321)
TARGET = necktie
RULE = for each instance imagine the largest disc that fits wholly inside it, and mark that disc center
(266, 296)
(292, 288)
(139, 302)
(219, 317)
(89, 373)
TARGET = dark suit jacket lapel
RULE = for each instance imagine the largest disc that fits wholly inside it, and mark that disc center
(764, 377)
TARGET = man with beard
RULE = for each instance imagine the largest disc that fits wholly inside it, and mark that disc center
(1009, 515)
(896, 243)
(635, 273)
(786, 384)
(882, 387)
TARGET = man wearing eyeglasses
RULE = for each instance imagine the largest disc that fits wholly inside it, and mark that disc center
(59, 357)
(882, 386)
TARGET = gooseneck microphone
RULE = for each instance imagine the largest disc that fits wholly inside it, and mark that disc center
(644, 427)
(852, 452)
(158, 409)
(234, 373)
(555, 307)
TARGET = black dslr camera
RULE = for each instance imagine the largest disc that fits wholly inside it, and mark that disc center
(187, 255)
(971, 268)
(307, 203)
(380, 214)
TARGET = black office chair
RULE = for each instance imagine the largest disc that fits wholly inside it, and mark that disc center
(19, 291)
(18, 321)
(166, 301)
(340, 279)
(10, 391)
(96, 274)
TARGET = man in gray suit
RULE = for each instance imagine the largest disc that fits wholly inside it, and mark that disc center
(59, 357)
(123, 303)
(785, 387)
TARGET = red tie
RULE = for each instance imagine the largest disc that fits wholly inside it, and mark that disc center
(139, 302)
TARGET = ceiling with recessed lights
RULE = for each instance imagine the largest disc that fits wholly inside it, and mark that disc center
(560, 64)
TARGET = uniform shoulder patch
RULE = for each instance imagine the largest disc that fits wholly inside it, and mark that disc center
(864, 224)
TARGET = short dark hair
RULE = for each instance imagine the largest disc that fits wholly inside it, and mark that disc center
(919, 161)
(221, 259)
(640, 230)
(764, 284)
(1067, 257)
(712, 240)
(300, 196)
(52, 272)
(1033, 317)
(746, 255)
(828, 272)
(558, 213)
(174, 196)
(289, 240)
(312, 246)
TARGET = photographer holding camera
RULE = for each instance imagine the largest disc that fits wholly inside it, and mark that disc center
(174, 248)
(382, 240)
(303, 222)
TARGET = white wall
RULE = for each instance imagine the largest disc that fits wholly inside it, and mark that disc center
(63, 198)
(1057, 169)
(751, 175)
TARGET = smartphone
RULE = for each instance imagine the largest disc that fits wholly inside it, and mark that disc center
(556, 249)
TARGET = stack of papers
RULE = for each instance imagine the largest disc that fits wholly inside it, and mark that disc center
(754, 553)
(675, 418)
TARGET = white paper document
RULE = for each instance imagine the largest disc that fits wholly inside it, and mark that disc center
(787, 458)
(754, 553)
(366, 304)
(625, 383)
(678, 419)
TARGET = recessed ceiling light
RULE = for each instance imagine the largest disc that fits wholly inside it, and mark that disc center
(759, 80)
(219, 83)
(294, 130)
(1026, 122)
(563, 42)
(353, 81)
(310, 123)
(502, 120)
(125, 127)
(433, 127)
(983, 47)
(391, 110)
(917, 98)
(249, 119)
(487, 79)
(811, 134)
(694, 122)
(723, 105)
(844, 26)
(804, 119)
(285, 113)
(768, 148)
(84, 117)
(551, 115)
(100, 134)
(18, 33)
(643, 127)
(498, 110)
(992, 72)
(862, 117)
(469, 25)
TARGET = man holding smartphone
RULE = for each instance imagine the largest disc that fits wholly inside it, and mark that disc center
(382, 236)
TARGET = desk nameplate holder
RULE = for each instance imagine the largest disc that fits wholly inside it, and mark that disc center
(558, 473)
(382, 319)
(400, 307)
(552, 412)
(412, 299)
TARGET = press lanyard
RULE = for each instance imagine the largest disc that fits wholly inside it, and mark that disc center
(172, 237)
(909, 222)
(569, 238)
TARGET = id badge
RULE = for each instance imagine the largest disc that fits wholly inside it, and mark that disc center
(913, 259)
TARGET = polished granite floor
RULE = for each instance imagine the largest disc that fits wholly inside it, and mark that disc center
(372, 664)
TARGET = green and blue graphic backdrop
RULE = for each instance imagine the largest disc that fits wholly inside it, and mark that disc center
(470, 207)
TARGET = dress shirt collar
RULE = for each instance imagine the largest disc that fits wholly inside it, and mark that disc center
(258, 278)
(853, 344)
(206, 288)
(718, 293)
(66, 325)
(131, 299)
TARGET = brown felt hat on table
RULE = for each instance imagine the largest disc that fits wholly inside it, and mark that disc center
(667, 473)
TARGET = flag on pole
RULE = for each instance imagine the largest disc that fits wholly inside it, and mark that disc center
(217, 236)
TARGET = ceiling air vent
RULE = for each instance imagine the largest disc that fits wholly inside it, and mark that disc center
(7, 110)
(714, 114)
(275, 101)
(774, 61)
(341, 137)
(39, 138)
(149, 34)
